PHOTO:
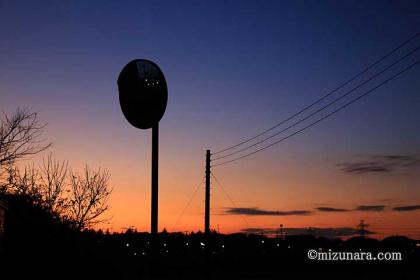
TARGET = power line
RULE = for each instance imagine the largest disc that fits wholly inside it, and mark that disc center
(323, 97)
(188, 203)
(322, 108)
(325, 117)
(229, 197)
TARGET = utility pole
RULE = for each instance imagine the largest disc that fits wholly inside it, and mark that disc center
(207, 199)
(362, 228)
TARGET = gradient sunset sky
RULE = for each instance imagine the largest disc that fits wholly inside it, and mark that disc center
(233, 68)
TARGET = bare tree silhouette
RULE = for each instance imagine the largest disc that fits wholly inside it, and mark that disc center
(20, 136)
(89, 192)
(77, 199)
(23, 183)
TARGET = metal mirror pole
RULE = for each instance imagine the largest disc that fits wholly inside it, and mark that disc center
(143, 104)
(155, 178)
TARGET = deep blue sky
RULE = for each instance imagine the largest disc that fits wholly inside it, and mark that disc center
(223, 59)
(233, 69)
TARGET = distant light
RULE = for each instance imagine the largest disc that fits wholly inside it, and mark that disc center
(262, 241)
(202, 244)
(135, 254)
(143, 253)
(418, 244)
(288, 247)
(186, 244)
(127, 245)
(278, 245)
(164, 244)
(223, 246)
(167, 251)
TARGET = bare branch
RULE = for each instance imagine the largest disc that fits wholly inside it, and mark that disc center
(20, 136)
(53, 184)
(88, 197)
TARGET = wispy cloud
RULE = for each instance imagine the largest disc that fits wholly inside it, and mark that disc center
(324, 232)
(331, 209)
(380, 164)
(255, 211)
(407, 208)
(371, 208)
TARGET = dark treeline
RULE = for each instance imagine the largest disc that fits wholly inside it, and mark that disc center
(37, 244)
